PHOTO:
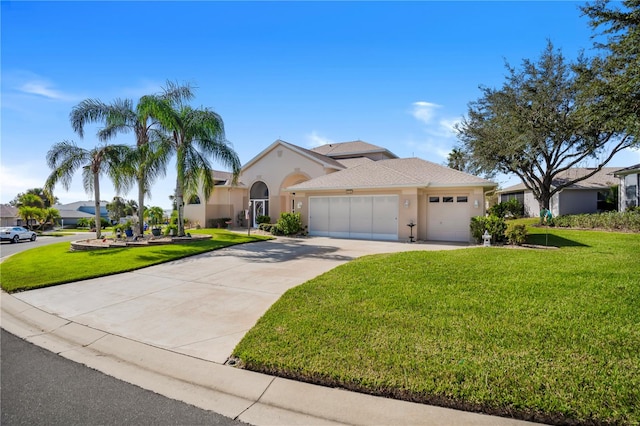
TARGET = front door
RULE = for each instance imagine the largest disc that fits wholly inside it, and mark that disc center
(260, 208)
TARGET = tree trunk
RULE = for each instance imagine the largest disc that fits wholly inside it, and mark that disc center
(180, 207)
(96, 194)
(140, 206)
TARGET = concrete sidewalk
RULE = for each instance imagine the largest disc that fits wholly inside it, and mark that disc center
(170, 328)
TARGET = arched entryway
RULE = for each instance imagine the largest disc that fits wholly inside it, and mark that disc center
(259, 197)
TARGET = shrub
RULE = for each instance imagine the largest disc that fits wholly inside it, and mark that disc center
(511, 208)
(168, 228)
(220, 222)
(266, 227)
(625, 221)
(289, 223)
(263, 219)
(516, 234)
(495, 225)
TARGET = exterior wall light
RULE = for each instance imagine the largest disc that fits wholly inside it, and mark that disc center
(406, 204)
(476, 204)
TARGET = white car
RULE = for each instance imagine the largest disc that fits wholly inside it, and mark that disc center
(16, 233)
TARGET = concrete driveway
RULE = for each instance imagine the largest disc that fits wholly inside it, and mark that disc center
(202, 306)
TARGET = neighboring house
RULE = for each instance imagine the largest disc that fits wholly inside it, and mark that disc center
(70, 213)
(629, 189)
(9, 216)
(349, 190)
(586, 196)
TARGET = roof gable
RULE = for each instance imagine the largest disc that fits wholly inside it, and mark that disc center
(313, 156)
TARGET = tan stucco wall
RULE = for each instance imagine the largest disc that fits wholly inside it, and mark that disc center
(279, 168)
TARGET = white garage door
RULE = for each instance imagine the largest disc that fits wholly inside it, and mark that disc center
(364, 217)
(448, 218)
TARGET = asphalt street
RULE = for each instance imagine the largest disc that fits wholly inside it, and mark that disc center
(39, 387)
(7, 248)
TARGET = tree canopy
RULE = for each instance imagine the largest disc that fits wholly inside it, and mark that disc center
(65, 158)
(148, 161)
(540, 123)
(614, 76)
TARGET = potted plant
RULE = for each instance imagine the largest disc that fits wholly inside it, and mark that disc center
(128, 228)
(155, 215)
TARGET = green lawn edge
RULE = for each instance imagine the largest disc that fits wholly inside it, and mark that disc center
(549, 335)
(55, 264)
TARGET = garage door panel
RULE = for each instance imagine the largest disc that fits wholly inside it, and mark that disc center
(385, 217)
(339, 217)
(448, 221)
(319, 216)
(363, 217)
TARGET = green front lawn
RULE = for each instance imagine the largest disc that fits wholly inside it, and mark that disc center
(55, 264)
(547, 335)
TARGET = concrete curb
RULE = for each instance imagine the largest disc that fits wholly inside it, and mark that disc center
(247, 396)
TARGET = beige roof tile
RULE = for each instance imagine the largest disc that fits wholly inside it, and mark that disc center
(342, 149)
(601, 180)
(400, 172)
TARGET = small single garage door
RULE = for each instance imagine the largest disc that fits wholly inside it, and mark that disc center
(448, 218)
(364, 217)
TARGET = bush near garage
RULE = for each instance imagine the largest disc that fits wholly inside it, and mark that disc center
(496, 226)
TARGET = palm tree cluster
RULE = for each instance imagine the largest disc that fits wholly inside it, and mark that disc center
(35, 208)
(164, 126)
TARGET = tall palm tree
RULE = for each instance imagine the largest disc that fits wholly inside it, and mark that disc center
(197, 136)
(65, 158)
(148, 161)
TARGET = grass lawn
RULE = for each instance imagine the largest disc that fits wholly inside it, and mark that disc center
(546, 335)
(55, 264)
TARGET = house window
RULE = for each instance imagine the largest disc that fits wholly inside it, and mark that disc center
(447, 199)
(511, 196)
(631, 183)
(461, 199)
(434, 199)
(194, 199)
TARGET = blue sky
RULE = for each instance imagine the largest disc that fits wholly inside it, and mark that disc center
(398, 75)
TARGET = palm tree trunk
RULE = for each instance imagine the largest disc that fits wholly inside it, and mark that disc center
(140, 206)
(180, 206)
(96, 194)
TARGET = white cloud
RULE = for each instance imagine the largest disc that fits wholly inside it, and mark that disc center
(17, 179)
(439, 132)
(44, 89)
(314, 139)
(424, 111)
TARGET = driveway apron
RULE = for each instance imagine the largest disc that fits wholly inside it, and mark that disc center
(203, 305)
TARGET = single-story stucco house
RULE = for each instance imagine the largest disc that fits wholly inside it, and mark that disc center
(586, 196)
(9, 215)
(348, 190)
(629, 195)
(70, 213)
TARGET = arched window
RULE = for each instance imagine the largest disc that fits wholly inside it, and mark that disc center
(259, 191)
(194, 199)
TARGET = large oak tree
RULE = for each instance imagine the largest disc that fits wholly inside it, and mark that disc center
(540, 123)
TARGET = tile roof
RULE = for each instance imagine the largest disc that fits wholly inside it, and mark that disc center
(7, 210)
(628, 170)
(350, 148)
(352, 162)
(601, 180)
(399, 172)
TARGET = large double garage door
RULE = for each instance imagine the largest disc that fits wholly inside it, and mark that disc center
(364, 217)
